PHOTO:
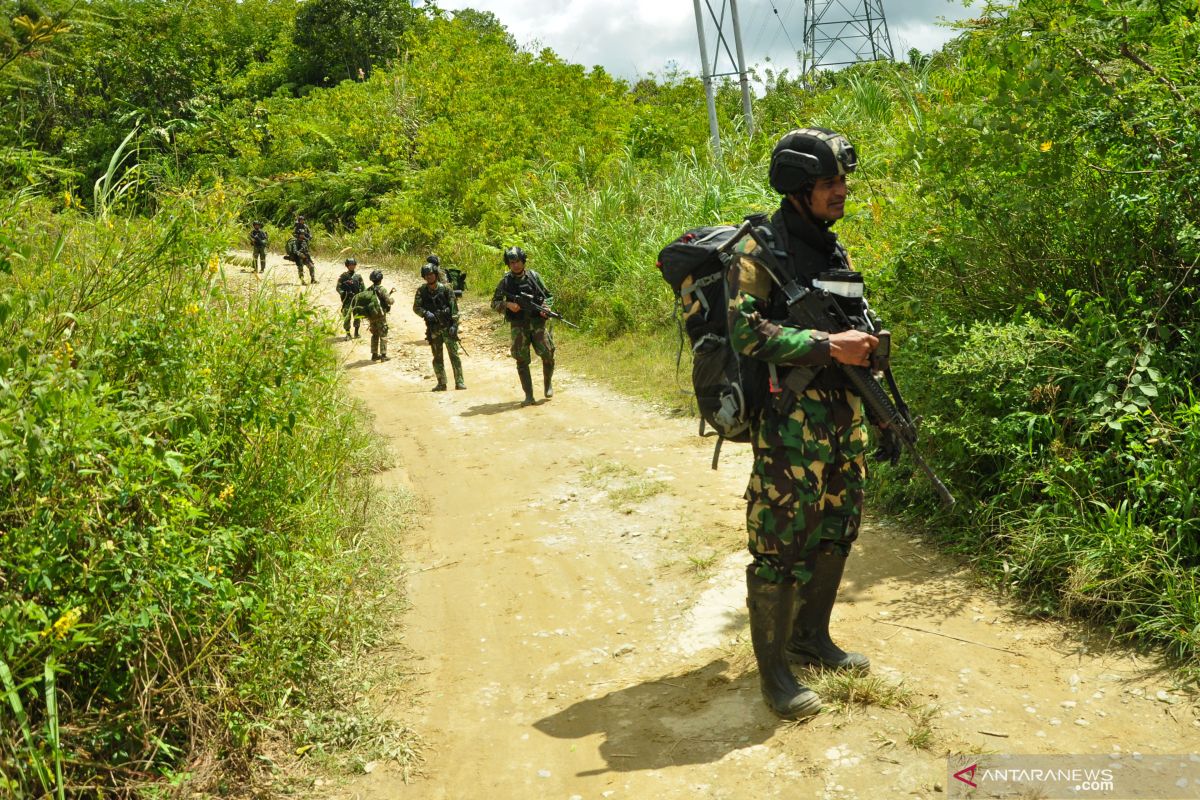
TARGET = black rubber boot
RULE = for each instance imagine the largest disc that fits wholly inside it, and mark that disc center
(547, 374)
(771, 610)
(811, 644)
(526, 384)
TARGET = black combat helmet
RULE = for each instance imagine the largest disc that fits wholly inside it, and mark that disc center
(351, 262)
(428, 269)
(804, 156)
(514, 254)
(377, 276)
(256, 224)
(433, 259)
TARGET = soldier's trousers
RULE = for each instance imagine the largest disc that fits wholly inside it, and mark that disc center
(535, 334)
(303, 259)
(349, 316)
(379, 331)
(437, 338)
(260, 259)
(806, 485)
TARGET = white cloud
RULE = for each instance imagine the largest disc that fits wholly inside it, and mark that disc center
(631, 38)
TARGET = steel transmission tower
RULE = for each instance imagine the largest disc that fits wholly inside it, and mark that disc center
(840, 32)
(736, 67)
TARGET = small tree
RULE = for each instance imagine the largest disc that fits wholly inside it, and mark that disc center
(345, 39)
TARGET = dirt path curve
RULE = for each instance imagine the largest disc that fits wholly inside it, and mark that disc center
(579, 621)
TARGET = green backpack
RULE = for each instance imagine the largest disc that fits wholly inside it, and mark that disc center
(366, 304)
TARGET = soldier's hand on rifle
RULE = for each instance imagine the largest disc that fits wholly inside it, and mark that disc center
(852, 347)
(513, 307)
(889, 445)
(430, 317)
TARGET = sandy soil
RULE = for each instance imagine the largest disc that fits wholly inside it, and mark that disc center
(578, 616)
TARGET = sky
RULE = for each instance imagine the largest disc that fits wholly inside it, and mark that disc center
(635, 38)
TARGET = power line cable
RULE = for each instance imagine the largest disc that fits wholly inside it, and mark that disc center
(781, 25)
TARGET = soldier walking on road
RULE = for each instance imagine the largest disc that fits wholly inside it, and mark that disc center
(258, 243)
(435, 303)
(518, 292)
(374, 304)
(349, 284)
(805, 494)
(303, 236)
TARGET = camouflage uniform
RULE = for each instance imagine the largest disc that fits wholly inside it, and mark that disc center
(439, 300)
(303, 235)
(374, 304)
(258, 242)
(805, 493)
(349, 284)
(527, 328)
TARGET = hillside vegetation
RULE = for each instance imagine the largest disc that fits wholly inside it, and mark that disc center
(1026, 211)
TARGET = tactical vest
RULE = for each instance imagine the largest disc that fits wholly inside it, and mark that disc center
(528, 283)
(802, 263)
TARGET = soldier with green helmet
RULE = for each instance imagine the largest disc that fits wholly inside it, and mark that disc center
(349, 284)
(805, 494)
(374, 304)
(436, 304)
(302, 237)
(517, 295)
(258, 243)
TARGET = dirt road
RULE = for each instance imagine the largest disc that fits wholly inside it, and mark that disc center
(578, 613)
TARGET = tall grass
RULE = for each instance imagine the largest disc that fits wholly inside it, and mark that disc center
(599, 247)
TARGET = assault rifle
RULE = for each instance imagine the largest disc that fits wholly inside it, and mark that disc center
(530, 303)
(818, 309)
(442, 317)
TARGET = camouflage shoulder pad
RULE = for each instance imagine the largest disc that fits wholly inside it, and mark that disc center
(752, 277)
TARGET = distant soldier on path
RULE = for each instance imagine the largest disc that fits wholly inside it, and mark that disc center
(258, 243)
(516, 296)
(303, 236)
(436, 304)
(349, 284)
(374, 304)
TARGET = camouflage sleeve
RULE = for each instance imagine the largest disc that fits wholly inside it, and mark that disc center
(752, 334)
(417, 309)
(453, 306)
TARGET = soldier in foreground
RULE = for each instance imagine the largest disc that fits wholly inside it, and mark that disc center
(258, 244)
(374, 304)
(349, 284)
(805, 494)
(435, 303)
(525, 301)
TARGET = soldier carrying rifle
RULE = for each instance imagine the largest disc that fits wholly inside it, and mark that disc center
(525, 302)
(436, 304)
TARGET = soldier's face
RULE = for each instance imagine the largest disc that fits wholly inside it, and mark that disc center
(517, 266)
(828, 201)
(431, 279)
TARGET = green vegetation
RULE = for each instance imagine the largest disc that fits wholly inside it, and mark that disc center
(1026, 212)
(183, 526)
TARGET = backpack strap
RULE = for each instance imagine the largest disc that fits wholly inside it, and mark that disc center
(778, 263)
